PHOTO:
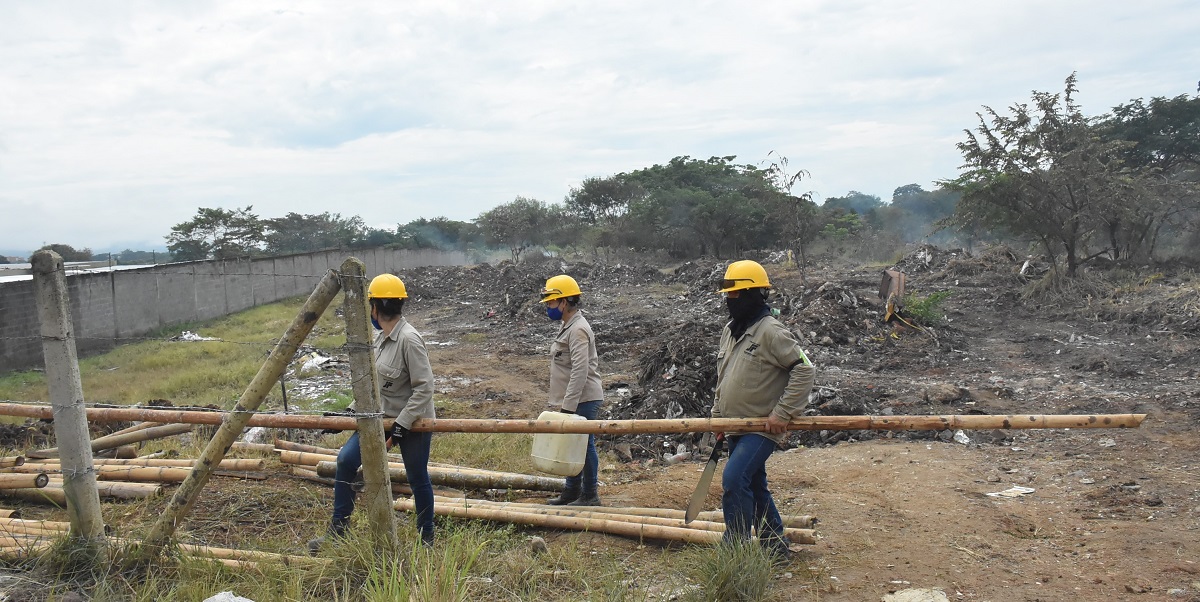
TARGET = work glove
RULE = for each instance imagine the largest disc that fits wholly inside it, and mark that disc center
(566, 411)
(397, 434)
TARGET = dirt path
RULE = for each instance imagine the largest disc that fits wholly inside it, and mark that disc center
(1113, 515)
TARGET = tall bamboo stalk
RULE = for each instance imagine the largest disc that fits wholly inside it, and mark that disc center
(235, 422)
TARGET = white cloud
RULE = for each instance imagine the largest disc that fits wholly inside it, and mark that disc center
(118, 121)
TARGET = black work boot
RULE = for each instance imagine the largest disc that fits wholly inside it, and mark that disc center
(337, 528)
(566, 497)
(587, 498)
(778, 550)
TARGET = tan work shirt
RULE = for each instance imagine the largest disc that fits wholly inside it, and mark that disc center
(405, 377)
(761, 373)
(574, 365)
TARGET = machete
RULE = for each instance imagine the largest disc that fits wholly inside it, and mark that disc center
(701, 492)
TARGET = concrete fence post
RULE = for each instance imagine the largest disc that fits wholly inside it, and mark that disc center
(377, 483)
(66, 396)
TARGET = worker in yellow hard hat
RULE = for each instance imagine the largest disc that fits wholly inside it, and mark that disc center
(406, 394)
(761, 372)
(575, 386)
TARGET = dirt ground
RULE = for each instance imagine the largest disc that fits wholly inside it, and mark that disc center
(1113, 514)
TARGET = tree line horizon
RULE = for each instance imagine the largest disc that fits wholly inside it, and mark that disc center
(1122, 186)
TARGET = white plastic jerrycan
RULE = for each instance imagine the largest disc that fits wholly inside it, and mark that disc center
(558, 453)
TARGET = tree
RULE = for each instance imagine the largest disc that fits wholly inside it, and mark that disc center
(603, 200)
(298, 233)
(217, 234)
(437, 233)
(517, 225)
(67, 252)
(801, 222)
(1165, 149)
(1042, 173)
(693, 206)
(914, 213)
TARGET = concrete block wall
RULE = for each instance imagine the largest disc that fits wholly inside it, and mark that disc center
(20, 342)
(109, 306)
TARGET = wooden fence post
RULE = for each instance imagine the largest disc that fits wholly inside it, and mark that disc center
(66, 396)
(377, 491)
(234, 422)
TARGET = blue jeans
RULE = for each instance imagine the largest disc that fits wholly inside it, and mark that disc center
(590, 475)
(746, 501)
(414, 448)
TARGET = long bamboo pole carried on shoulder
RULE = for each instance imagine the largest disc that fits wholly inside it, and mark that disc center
(621, 427)
(806, 423)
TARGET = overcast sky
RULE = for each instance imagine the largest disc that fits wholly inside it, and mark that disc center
(120, 119)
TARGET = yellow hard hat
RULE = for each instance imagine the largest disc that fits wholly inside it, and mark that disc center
(741, 275)
(387, 286)
(558, 287)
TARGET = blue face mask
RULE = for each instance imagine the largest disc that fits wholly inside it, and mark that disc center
(554, 313)
(375, 323)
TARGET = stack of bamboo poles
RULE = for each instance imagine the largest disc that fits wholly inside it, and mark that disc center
(637, 523)
(39, 479)
(320, 464)
(23, 538)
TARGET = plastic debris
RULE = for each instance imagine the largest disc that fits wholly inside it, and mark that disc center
(227, 597)
(1014, 491)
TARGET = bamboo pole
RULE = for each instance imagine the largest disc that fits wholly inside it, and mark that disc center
(614, 527)
(52, 452)
(802, 536)
(312, 459)
(367, 403)
(104, 472)
(122, 490)
(235, 422)
(20, 480)
(307, 458)
(243, 446)
(805, 423)
(301, 447)
(22, 551)
(9, 513)
(123, 452)
(66, 396)
(30, 531)
(307, 473)
(620, 427)
(233, 464)
(304, 458)
(50, 494)
(797, 521)
(453, 478)
(44, 524)
(11, 461)
(146, 434)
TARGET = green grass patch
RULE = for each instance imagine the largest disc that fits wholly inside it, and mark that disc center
(926, 310)
(187, 373)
